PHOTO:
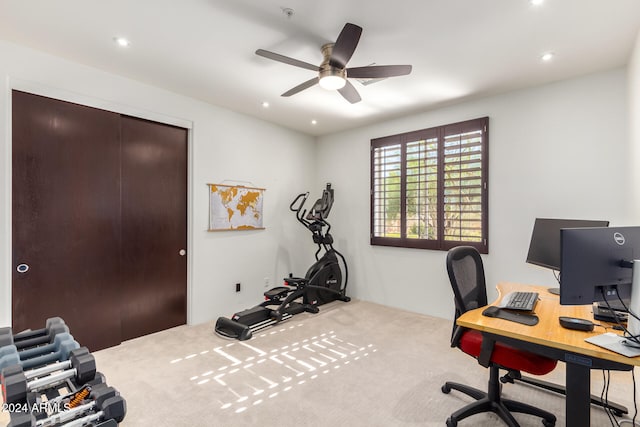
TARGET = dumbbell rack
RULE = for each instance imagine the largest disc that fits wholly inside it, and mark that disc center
(47, 379)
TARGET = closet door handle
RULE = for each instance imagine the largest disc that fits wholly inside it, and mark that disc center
(182, 252)
(22, 268)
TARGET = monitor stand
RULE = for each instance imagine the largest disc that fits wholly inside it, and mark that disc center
(622, 344)
(554, 291)
(634, 307)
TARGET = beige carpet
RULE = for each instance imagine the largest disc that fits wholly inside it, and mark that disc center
(353, 364)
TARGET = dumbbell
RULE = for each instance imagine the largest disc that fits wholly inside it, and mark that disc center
(39, 372)
(81, 368)
(54, 326)
(58, 350)
(45, 404)
(106, 403)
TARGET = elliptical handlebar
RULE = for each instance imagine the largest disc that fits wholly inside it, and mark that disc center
(322, 206)
(319, 211)
(302, 196)
(316, 220)
(297, 205)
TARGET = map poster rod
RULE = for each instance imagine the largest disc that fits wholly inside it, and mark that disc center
(239, 186)
(235, 207)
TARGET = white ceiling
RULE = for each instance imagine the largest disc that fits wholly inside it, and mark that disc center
(459, 49)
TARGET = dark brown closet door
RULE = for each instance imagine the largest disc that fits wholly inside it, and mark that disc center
(66, 220)
(154, 226)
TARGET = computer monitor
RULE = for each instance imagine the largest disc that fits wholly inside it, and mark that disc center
(544, 248)
(597, 260)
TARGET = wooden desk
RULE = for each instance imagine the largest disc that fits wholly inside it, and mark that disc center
(548, 338)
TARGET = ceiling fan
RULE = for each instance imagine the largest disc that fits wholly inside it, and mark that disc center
(333, 71)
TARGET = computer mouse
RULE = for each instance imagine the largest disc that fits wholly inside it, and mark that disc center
(576, 323)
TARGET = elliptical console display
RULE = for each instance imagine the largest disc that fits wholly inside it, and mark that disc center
(324, 281)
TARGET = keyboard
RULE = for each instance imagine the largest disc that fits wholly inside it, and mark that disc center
(523, 301)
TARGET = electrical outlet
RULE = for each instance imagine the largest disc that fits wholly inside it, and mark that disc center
(267, 282)
(237, 287)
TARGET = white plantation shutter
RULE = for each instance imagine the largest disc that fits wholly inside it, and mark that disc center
(463, 186)
(387, 163)
(421, 189)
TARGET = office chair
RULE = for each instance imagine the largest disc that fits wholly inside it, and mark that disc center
(466, 274)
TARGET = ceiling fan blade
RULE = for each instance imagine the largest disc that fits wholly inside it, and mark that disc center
(378, 71)
(345, 45)
(301, 87)
(350, 93)
(286, 60)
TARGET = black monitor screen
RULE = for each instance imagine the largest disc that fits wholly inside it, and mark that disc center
(544, 249)
(591, 262)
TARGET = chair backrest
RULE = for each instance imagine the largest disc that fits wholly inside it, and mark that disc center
(466, 274)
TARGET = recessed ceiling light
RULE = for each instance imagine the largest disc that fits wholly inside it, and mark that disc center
(265, 104)
(536, 2)
(121, 41)
(314, 122)
(547, 57)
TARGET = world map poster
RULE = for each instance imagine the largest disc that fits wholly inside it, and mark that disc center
(235, 207)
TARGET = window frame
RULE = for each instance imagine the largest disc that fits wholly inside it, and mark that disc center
(439, 132)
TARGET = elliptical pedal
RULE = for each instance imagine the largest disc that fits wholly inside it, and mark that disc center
(277, 293)
(263, 325)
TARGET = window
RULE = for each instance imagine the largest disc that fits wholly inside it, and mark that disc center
(429, 187)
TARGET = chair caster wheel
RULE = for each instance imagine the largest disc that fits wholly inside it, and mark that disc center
(451, 422)
(445, 389)
(547, 423)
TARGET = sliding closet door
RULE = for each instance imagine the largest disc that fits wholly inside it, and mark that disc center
(66, 218)
(99, 221)
(154, 226)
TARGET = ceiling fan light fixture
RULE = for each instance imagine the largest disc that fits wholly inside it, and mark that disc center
(332, 82)
(332, 78)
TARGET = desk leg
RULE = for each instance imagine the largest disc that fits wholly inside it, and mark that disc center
(578, 403)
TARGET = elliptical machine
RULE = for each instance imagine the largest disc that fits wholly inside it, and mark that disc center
(322, 283)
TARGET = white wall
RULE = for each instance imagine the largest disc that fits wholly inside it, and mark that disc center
(554, 151)
(633, 75)
(223, 146)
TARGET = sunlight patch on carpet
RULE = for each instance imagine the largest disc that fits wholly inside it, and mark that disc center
(242, 373)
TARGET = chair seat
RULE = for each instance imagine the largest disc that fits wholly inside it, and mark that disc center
(506, 356)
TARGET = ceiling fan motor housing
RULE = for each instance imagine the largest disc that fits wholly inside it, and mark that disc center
(326, 69)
